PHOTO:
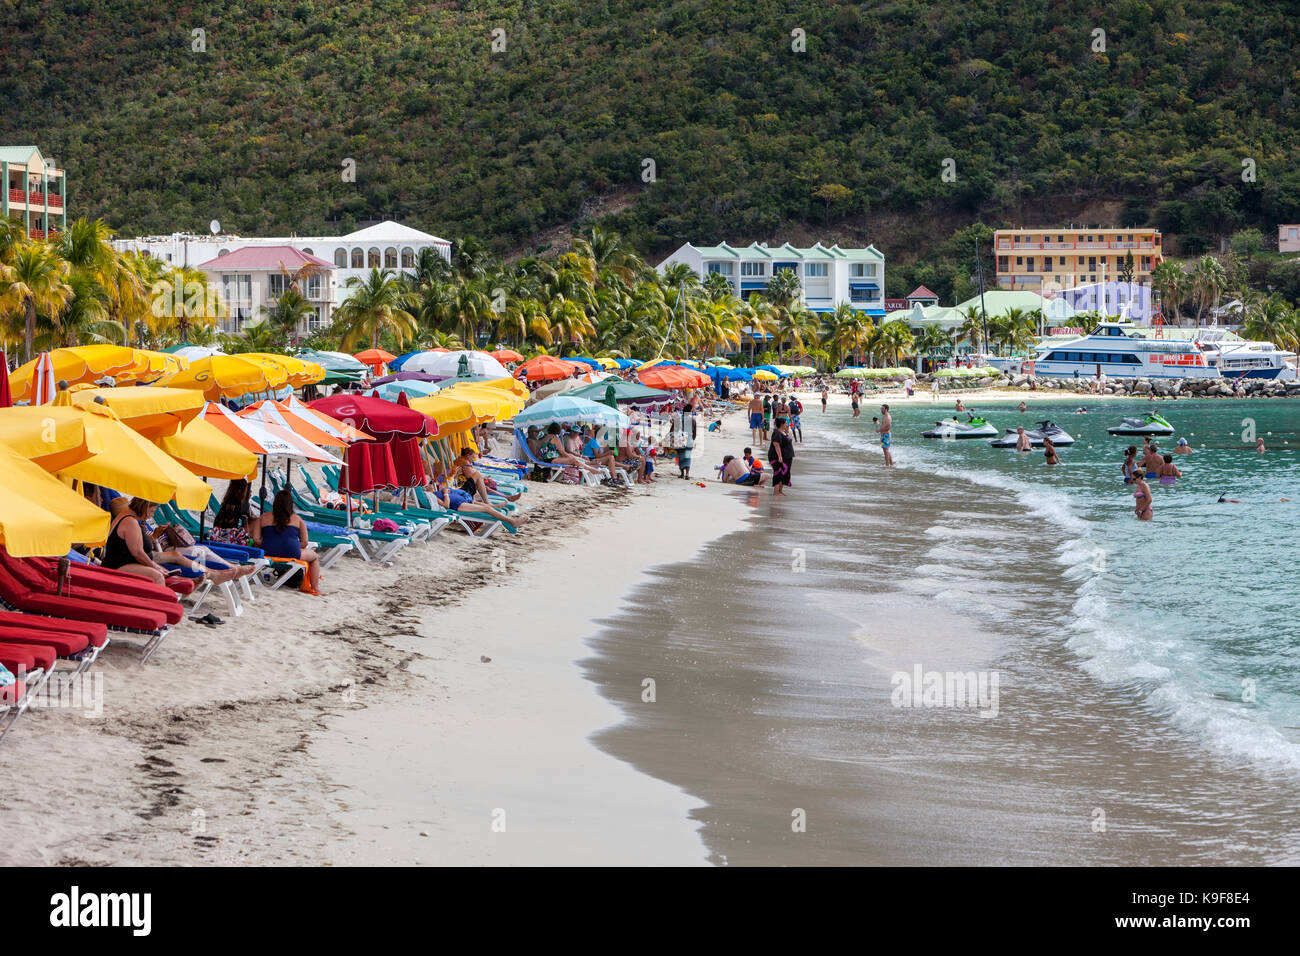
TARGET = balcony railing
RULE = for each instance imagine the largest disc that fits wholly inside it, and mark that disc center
(1052, 246)
(35, 198)
(36, 233)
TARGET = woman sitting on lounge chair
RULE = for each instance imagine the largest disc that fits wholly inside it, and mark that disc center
(129, 548)
(282, 534)
(553, 452)
(463, 468)
(232, 524)
(462, 502)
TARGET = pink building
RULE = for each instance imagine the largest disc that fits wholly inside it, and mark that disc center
(1288, 238)
(254, 277)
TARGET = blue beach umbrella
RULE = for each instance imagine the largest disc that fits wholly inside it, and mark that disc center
(569, 410)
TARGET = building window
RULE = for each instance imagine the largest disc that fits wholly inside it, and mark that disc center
(1047, 263)
(1029, 264)
(313, 320)
(863, 270)
(275, 285)
(237, 288)
(372, 258)
(313, 287)
(1020, 260)
(722, 268)
(359, 259)
(308, 252)
(341, 258)
(1002, 263)
(390, 258)
(408, 258)
(753, 268)
(816, 270)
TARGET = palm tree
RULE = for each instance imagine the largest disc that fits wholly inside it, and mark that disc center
(38, 284)
(287, 313)
(895, 340)
(934, 340)
(1208, 282)
(1170, 282)
(376, 305)
(850, 331)
(84, 318)
(972, 328)
(184, 300)
(1269, 320)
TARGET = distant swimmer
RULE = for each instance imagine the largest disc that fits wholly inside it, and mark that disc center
(1225, 500)
(1169, 472)
(1081, 410)
(826, 394)
(1049, 451)
(1182, 448)
(961, 406)
(1142, 498)
(1022, 440)
(1022, 407)
(1259, 446)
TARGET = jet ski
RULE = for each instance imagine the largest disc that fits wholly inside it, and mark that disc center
(1045, 429)
(1148, 424)
(972, 427)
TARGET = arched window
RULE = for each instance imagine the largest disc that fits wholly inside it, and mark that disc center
(222, 252)
(372, 258)
(408, 258)
(358, 258)
(341, 258)
(308, 252)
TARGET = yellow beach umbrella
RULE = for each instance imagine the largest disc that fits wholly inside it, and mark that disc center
(451, 413)
(83, 363)
(511, 385)
(151, 366)
(763, 375)
(608, 364)
(49, 436)
(206, 450)
(299, 371)
(132, 465)
(488, 402)
(229, 376)
(150, 410)
(39, 514)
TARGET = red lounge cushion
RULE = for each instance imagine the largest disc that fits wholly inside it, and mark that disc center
(65, 645)
(42, 574)
(92, 631)
(181, 585)
(114, 615)
(26, 657)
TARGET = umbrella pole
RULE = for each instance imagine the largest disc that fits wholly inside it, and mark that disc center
(203, 514)
(262, 493)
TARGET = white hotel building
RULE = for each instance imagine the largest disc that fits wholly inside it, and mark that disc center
(385, 245)
(828, 275)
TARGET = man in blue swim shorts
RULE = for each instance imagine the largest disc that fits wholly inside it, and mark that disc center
(756, 416)
(885, 427)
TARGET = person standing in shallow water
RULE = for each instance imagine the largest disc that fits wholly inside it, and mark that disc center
(884, 428)
(780, 455)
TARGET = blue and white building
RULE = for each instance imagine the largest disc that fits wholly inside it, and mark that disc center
(828, 275)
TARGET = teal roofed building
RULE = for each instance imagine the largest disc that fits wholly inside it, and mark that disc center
(828, 275)
(35, 191)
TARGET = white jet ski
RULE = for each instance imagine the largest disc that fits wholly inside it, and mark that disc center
(1045, 429)
(1148, 424)
(972, 427)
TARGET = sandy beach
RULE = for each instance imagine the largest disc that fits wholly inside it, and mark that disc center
(339, 729)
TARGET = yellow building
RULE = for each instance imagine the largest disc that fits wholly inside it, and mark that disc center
(1040, 259)
(33, 191)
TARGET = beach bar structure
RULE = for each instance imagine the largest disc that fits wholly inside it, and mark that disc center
(34, 191)
(828, 275)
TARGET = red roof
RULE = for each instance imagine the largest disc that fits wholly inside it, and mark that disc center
(921, 292)
(264, 258)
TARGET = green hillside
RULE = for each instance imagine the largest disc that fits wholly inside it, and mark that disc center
(745, 133)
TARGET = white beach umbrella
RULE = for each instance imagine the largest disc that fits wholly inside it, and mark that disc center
(449, 363)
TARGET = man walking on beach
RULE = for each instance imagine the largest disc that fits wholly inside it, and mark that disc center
(826, 394)
(884, 428)
(755, 417)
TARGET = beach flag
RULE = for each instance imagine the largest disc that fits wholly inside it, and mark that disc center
(44, 387)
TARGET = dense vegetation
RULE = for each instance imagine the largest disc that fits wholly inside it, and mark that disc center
(750, 139)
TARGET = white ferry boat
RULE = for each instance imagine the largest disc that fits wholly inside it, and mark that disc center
(1118, 350)
(1238, 358)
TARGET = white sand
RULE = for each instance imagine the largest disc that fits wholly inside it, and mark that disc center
(337, 729)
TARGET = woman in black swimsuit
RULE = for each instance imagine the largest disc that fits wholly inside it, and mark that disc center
(130, 549)
(780, 454)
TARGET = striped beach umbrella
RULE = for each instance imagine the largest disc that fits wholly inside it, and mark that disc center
(43, 387)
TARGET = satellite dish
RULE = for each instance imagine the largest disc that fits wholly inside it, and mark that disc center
(214, 227)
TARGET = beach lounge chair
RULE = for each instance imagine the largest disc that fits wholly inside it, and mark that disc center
(436, 520)
(78, 643)
(551, 471)
(30, 664)
(480, 526)
(369, 544)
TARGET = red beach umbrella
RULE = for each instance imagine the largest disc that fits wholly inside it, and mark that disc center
(6, 399)
(383, 419)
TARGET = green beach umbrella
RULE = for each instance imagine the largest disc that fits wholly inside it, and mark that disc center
(623, 391)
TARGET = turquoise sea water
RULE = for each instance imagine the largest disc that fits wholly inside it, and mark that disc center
(1196, 610)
